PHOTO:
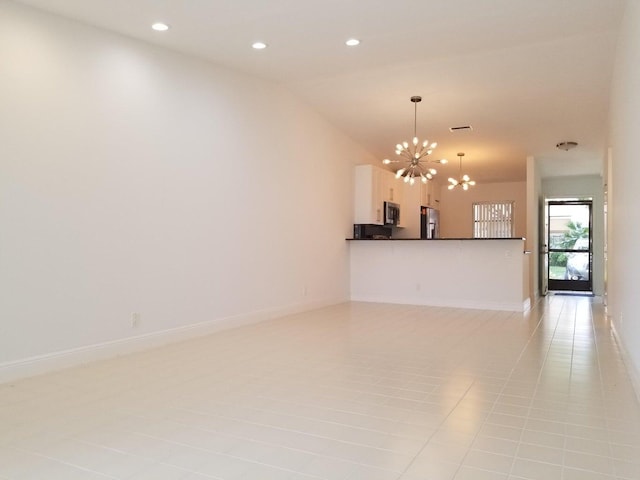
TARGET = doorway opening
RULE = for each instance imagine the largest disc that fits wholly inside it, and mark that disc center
(569, 240)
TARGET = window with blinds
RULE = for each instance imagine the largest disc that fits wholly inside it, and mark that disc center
(493, 220)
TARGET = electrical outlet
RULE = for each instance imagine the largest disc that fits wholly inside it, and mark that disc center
(135, 320)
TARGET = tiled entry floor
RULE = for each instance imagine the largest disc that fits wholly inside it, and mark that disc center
(354, 391)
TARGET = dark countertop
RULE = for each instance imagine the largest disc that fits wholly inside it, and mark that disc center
(426, 239)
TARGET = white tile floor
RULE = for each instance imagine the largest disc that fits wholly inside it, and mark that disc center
(351, 392)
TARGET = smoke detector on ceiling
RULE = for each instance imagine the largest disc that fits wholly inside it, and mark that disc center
(566, 146)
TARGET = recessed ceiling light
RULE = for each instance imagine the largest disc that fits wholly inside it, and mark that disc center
(160, 27)
(259, 45)
(352, 42)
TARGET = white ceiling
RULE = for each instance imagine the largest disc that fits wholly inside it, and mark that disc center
(526, 74)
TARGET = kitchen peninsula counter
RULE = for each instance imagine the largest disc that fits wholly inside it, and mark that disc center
(487, 273)
(433, 239)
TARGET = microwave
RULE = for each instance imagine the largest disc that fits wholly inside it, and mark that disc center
(391, 213)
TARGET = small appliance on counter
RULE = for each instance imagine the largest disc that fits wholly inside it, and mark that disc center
(429, 223)
(362, 231)
(391, 213)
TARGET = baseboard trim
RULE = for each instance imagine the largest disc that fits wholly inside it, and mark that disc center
(455, 303)
(634, 374)
(37, 365)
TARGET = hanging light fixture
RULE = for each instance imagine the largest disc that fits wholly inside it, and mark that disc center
(465, 182)
(414, 155)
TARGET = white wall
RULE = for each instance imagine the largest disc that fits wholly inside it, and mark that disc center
(456, 207)
(581, 187)
(134, 179)
(532, 244)
(624, 185)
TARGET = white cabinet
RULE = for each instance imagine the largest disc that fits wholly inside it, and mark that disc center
(430, 194)
(368, 198)
(437, 188)
(393, 191)
(426, 194)
(397, 195)
(391, 188)
(373, 187)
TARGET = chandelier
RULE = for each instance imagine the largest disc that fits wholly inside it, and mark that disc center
(464, 181)
(414, 154)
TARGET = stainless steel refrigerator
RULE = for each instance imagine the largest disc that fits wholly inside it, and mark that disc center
(429, 223)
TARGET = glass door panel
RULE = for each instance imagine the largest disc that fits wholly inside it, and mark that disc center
(569, 241)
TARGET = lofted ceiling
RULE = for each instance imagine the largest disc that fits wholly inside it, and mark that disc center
(525, 74)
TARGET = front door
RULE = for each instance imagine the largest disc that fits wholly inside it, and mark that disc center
(569, 245)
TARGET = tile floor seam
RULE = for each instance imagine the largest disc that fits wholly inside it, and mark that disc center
(328, 422)
(430, 437)
(283, 429)
(264, 443)
(69, 464)
(535, 389)
(602, 395)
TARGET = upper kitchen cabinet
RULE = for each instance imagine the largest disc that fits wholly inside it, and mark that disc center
(368, 193)
(392, 188)
(373, 187)
(430, 194)
(393, 191)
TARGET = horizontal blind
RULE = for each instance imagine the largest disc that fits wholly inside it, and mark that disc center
(493, 220)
